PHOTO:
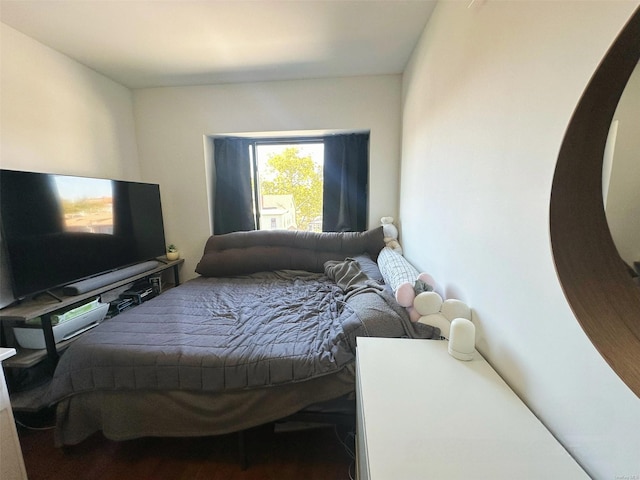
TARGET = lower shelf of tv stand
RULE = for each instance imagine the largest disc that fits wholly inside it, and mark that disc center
(30, 401)
(27, 358)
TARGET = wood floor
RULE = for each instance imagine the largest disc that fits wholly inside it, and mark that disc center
(304, 454)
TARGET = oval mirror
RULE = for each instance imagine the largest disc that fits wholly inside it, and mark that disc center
(595, 279)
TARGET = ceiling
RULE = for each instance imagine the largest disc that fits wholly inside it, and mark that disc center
(152, 43)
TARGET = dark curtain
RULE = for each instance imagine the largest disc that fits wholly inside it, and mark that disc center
(346, 176)
(233, 207)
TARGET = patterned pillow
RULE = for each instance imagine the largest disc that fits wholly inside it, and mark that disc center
(395, 269)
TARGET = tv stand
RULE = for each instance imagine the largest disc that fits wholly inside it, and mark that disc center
(44, 306)
(48, 292)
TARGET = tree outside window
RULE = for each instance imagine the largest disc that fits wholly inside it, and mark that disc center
(290, 186)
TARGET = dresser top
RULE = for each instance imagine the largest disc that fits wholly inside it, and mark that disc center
(6, 353)
(428, 415)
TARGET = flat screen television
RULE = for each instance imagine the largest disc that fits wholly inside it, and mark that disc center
(58, 229)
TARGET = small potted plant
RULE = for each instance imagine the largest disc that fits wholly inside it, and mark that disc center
(172, 252)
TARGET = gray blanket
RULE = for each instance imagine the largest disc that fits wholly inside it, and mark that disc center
(371, 308)
(226, 334)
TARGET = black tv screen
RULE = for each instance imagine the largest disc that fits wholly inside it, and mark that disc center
(58, 229)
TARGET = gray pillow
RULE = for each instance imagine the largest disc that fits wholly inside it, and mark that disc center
(241, 253)
(369, 267)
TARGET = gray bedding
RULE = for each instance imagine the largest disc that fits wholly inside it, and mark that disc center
(124, 415)
(225, 336)
(221, 334)
(264, 329)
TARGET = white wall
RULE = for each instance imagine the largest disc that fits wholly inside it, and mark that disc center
(487, 98)
(623, 199)
(172, 124)
(59, 116)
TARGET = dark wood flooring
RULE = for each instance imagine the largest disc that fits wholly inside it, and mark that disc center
(279, 455)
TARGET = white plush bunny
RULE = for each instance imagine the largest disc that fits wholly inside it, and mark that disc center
(390, 233)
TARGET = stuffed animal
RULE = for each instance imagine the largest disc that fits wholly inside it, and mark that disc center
(414, 291)
(406, 292)
(390, 234)
(438, 313)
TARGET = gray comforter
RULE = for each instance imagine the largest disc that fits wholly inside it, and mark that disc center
(226, 334)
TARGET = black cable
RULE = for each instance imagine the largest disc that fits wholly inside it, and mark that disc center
(352, 465)
(28, 427)
(343, 442)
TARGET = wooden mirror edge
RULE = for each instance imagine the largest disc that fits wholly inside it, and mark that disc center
(595, 280)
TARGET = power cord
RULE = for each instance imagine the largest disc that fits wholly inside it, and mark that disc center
(39, 429)
(348, 441)
(349, 436)
(352, 467)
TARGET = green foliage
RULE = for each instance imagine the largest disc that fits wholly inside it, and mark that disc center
(288, 173)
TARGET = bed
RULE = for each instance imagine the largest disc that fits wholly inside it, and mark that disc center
(268, 329)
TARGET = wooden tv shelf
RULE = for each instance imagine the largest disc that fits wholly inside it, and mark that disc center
(44, 305)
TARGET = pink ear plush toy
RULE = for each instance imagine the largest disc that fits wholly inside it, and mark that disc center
(407, 292)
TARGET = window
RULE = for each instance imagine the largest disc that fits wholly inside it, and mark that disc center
(288, 184)
(310, 184)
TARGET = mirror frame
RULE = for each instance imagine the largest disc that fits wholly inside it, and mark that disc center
(596, 281)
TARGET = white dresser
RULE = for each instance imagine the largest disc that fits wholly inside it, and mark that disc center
(422, 414)
(11, 462)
